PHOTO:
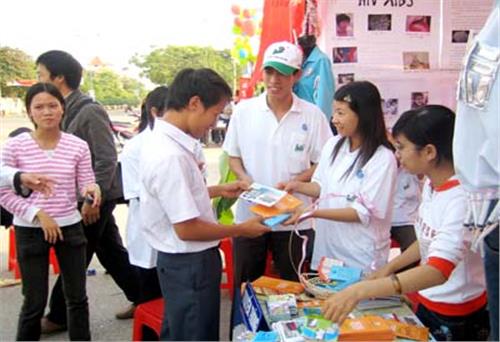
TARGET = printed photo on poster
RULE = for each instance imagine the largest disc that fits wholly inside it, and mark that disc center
(390, 106)
(345, 55)
(418, 23)
(379, 22)
(344, 24)
(419, 99)
(416, 60)
(343, 79)
(459, 36)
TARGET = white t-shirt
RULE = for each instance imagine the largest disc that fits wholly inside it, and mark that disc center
(445, 244)
(275, 151)
(370, 192)
(406, 199)
(140, 253)
(173, 189)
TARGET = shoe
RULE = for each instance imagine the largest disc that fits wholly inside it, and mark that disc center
(127, 313)
(49, 327)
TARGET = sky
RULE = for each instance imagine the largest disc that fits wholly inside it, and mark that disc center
(115, 30)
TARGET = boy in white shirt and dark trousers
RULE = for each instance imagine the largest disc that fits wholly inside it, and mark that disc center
(176, 211)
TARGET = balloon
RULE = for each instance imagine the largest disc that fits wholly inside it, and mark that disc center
(243, 54)
(248, 28)
(246, 13)
(236, 30)
(235, 9)
(237, 22)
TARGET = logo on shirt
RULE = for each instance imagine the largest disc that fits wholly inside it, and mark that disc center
(299, 147)
(360, 174)
(308, 72)
(351, 197)
(304, 127)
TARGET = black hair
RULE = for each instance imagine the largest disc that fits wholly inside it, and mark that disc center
(343, 17)
(363, 99)
(429, 125)
(60, 63)
(19, 130)
(42, 88)
(307, 43)
(205, 83)
(157, 98)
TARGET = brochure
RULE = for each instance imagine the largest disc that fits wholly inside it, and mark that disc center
(263, 195)
(286, 205)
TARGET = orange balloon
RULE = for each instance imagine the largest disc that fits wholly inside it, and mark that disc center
(235, 9)
(237, 22)
(246, 13)
(248, 28)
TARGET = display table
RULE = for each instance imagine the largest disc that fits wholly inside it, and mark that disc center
(401, 313)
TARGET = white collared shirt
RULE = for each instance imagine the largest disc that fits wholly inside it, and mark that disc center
(406, 199)
(140, 253)
(370, 192)
(275, 151)
(173, 189)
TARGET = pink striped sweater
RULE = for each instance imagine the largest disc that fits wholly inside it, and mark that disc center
(69, 164)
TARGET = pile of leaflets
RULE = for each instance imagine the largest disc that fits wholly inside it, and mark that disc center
(340, 277)
(310, 328)
(264, 195)
(281, 307)
(269, 286)
(270, 203)
(366, 328)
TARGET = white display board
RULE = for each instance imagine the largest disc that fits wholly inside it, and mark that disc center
(411, 49)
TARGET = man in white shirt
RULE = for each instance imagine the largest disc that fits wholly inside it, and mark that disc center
(176, 211)
(273, 138)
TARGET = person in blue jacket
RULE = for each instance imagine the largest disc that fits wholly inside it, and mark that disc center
(316, 84)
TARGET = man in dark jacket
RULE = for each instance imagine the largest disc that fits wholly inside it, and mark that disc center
(89, 121)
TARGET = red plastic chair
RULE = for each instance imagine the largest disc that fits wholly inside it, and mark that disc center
(226, 245)
(149, 315)
(270, 269)
(12, 264)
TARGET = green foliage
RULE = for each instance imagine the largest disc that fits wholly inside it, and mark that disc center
(161, 65)
(14, 64)
(113, 89)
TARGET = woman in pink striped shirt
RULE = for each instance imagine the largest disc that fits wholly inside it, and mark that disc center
(43, 222)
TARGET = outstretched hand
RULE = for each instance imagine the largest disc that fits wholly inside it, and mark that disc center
(234, 189)
(38, 182)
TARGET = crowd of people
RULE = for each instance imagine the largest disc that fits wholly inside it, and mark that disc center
(62, 182)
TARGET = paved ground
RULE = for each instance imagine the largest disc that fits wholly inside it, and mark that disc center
(105, 298)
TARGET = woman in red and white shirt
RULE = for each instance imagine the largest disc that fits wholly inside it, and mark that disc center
(449, 279)
(42, 222)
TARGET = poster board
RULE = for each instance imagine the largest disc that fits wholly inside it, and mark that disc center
(411, 49)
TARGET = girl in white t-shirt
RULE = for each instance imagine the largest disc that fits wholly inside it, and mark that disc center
(355, 181)
(450, 279)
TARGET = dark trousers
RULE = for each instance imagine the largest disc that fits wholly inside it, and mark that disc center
(249, 259)
(104, 240)
(491, 272)
(33, 258)
(405, 236)
(473, 327)
(190, 283)
(149, 285)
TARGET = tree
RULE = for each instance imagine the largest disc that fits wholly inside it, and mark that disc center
(113, 89)
(14, 64)
(161, 65)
